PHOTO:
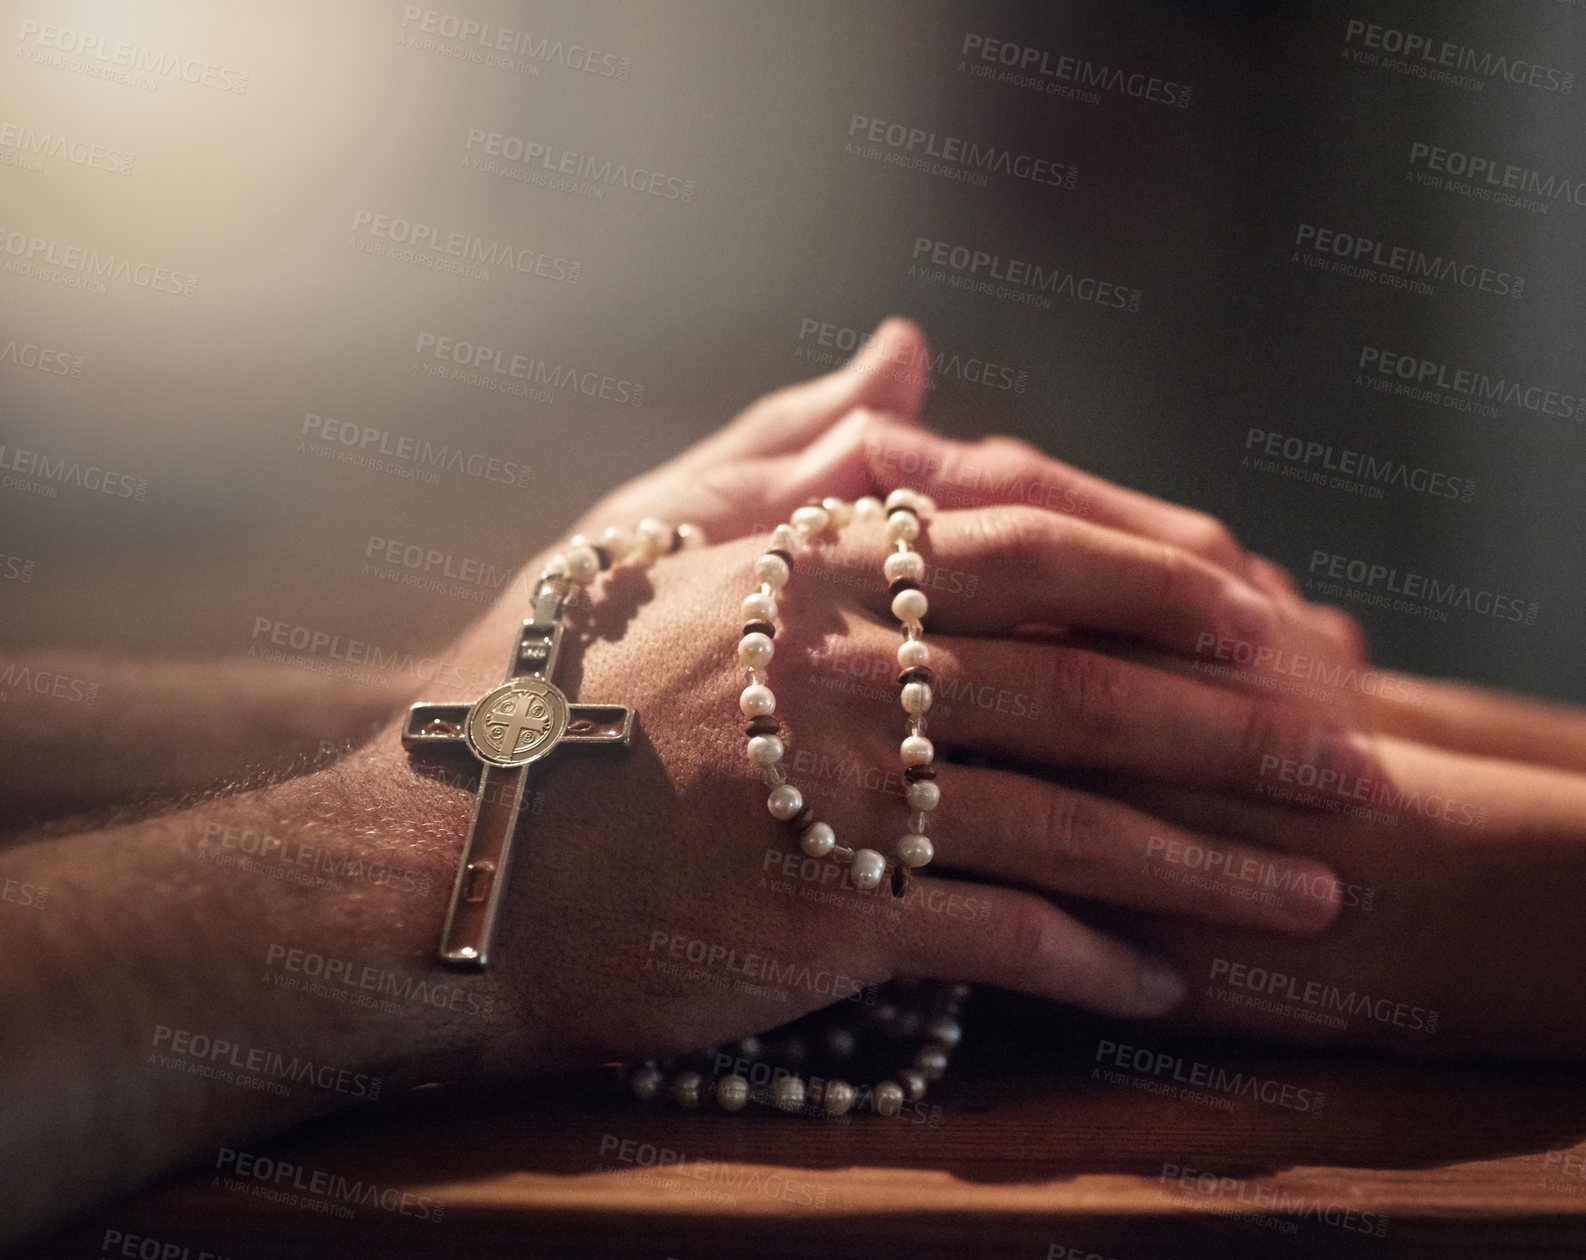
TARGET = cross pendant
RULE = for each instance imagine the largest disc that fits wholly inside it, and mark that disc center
(509, 729)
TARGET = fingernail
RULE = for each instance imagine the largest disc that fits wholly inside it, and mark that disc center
(1348, 755)
(1161, 987)
(1247, 615)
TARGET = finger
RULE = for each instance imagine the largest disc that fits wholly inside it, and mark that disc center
(1018, 564)
(1019, 829)
(888, 373)
(1062, 706)
(998, 470)
(981, 934)
(1002, 470)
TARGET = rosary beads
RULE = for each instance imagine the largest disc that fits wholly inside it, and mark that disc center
(903, 511)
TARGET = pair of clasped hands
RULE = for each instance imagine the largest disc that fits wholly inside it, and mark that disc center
(1414, 846)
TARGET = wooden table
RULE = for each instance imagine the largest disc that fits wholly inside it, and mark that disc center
(1032, 1154)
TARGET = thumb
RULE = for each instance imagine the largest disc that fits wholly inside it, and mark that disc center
(890, 373)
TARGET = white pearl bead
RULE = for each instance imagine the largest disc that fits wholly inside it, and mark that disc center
(867, 869)
(903, 564)
(757, 700)
(924, 796)
(771, 569)
(913, 653)
(869, 509)
(889, 1098)
(811, 520)
(786, 538)
(915, 850)
(901, 497)
(784, 801)
(840, 512)
(685, 1089)
(759, 607)
(916, 751)
(557, 565)
(582, 564)
(839, 1097)
(646, 1082)
(655, 537)
(692, 536)
(818, 840)
(765, 750)
(902, 527)
(909, 605)
(755, 650)
(732, 1092)
(916, 697)
(617, 541)
(789, 1093)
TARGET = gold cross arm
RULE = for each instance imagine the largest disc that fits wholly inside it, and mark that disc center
(509, 729)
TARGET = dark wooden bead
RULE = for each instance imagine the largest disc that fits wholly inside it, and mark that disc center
(787, 557)
(802, 819)
(904, 507)
(764, 627)
(900, 880)
(603, 556)
(677, 540)
(915, 773)
(916, 673)
(902, 584)
(763, 725)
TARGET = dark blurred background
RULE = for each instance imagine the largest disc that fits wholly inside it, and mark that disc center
(730, 225)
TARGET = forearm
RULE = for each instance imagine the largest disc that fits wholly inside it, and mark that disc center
(145, 953)
(81, 731)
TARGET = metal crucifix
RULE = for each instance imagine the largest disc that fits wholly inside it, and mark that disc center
(509, 729)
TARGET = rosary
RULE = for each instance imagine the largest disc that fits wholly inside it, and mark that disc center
(527, 719)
